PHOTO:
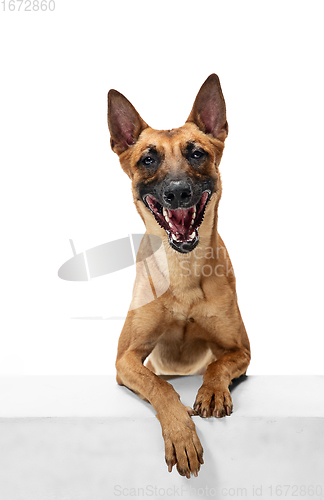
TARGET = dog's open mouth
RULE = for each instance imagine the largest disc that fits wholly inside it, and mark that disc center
(181, 224)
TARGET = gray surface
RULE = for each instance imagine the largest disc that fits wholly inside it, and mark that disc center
(275, 438)
(90, 459)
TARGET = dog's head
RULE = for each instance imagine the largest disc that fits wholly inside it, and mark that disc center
(174, 173)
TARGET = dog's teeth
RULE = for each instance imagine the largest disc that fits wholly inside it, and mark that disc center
(170, 224)
(193, 217)
(165, 215)
(173, 236)
(191, 237)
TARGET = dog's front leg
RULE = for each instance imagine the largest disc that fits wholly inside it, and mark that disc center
(213, 397)
(182, 445)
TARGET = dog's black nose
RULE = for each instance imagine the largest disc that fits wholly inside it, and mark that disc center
(177, 194)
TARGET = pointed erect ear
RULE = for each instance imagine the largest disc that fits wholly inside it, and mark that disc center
(124, 122)
(209, 111)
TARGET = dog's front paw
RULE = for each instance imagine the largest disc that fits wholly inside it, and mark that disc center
(213, 401)
(182, 445)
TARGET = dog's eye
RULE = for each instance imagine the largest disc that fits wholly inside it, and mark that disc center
(148, 161)
(197, 155)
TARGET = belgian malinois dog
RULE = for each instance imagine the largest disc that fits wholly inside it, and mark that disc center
(195, 326)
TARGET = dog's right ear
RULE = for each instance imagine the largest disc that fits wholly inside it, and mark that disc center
(124, 122)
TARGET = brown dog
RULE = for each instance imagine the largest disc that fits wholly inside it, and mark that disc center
(195, 326)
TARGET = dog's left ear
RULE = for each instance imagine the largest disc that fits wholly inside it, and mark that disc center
(209, 111)
(124, 122)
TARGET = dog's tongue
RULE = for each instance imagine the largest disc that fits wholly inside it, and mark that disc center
(181, 219)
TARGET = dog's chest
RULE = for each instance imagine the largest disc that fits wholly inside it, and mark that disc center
(180, 304)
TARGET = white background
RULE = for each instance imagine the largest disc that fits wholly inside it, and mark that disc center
(60, 180)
